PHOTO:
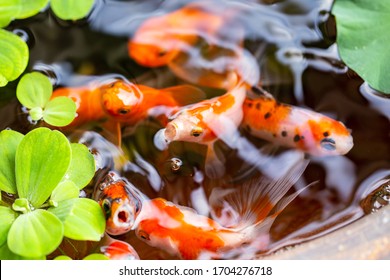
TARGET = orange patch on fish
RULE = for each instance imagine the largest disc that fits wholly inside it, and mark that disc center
(265, 113)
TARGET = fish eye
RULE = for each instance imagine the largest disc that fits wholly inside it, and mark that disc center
(161, 53)
(123, 111)
(144, 235)
(196, 132)
(106, 205)
(328, 144)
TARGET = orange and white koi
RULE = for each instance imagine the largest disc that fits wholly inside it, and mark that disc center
(200, 43)
(296, 127)
(119, 250)
(129, 104)
(195, 124)
(181, 231)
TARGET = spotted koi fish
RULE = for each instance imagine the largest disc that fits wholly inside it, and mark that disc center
(205, 48)
(181, 231)
(295, 127)
(195, 124)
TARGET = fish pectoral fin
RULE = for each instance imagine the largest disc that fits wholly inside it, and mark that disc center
(214, 166)
(185, 94)
(113, 132)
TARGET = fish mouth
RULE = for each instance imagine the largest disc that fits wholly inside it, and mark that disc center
(170, 131)
(122, 221)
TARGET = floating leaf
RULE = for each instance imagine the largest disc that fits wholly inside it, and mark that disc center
(71, 9)
(82, 167)
(7, 217)
(34, 90)
(9, 141)
(7, 254)
(30, 8)
(13, 57)
(8, 10)
(96, 257)
(59, 111)
(65, 190)
(42, 159)
(363, 39)
(62, 258)
(35, 234)
(82, 217)
(18, 9)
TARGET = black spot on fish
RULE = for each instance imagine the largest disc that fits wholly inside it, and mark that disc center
(267, 115)
(249, 104)
(284, 133)
(326, 134)
(258, 106)
(297, 138)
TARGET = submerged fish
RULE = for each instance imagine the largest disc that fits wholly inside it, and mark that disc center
(120, 204)
(200, 42)
(195, 124)
(119, 250)
(181, 231)
(295, 127)
(129, 104)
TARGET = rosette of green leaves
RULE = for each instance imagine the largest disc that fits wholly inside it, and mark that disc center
(45, 172)
(14, 51)
(34, 92)
(64, 9)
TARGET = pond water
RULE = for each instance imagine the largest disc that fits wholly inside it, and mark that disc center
(293, 44)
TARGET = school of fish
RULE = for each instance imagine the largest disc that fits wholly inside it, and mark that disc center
(175, 40)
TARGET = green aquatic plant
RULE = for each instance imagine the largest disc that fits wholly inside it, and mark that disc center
(19, 9)
(34, 92)
(44, 173)
(363, 39)
(13, 57)
(14, 54)
(64, 9)
(71, 9)
(94, 257)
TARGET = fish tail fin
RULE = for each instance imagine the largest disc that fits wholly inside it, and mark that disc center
(185, 94)
(252, 207)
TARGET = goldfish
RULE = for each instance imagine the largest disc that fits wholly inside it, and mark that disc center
(195, 124)
(129, 104)
(199, 42)
(183, 232)
(296, 127)
(119, 250)
(120, 204)
(116, 103)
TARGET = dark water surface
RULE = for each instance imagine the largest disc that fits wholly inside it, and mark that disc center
(293, 42)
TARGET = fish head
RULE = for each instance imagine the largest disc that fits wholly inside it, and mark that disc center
(121, 99)
(120, 206)
(186, 128)
(331, 137)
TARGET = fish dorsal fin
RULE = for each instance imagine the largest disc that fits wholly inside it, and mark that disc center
(185, 94)
(258, 91)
